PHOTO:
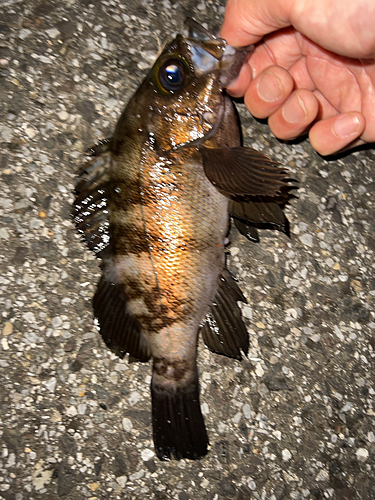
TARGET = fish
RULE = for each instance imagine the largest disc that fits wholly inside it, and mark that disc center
(154, 203)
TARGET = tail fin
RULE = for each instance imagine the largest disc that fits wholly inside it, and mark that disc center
(178, 425)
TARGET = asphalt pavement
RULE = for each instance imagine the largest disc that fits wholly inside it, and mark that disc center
(295, 420)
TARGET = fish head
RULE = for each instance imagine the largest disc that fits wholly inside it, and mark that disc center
(183, 90)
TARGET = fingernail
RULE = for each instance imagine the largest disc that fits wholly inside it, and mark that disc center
(294, 110)
(269, 87)
(347, 125)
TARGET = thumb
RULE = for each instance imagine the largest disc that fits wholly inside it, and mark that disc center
(247, 21)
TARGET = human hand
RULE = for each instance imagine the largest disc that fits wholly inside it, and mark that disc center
(314, 71)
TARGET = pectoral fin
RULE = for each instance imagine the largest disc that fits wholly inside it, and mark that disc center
(243, 171)
(224, 331)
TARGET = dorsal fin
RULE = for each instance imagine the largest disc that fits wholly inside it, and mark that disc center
(90, 211)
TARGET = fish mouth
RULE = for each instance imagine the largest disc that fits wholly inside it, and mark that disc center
(211, 53)
(197, 35)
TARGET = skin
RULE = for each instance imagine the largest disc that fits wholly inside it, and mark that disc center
(313, 68)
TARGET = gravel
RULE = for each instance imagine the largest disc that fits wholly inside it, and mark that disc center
(295, 420)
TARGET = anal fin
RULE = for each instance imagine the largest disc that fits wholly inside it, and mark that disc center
(118, 326)
(224, 331)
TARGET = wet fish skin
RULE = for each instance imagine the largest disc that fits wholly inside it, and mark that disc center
(178, 255)
(149, 208)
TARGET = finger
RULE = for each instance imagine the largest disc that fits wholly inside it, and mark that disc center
(345, 31)
(326, 110)
(301, 76)
(239, 86)
(355, 144)
(336, 133)
(281, 48)
(247, 22)
(268, 91)
(295, 116)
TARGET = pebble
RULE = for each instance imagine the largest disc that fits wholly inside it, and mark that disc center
(134, 398)
(237, 418)
(348, 406)
(29, 317)
(147, 454)
(292, 312)
(252, 485)
(259, 370)
(286, 455)
(277, 435)
(247, 312)
(11, 460)
(323, 475)
(306, 239)
(30, 132)
(8, 328)
(6, 133)
(41, 477)
(142, 65)
(4, 233)
(24, 33)
(57, 322)
(53, 32)
(63, 115)
(343, 277)
(205, 408)
(362, 454)
(94, 486)
(81, 409)
(315, 337)
(35, 223)
(121, 480)
(204, 484)
(4, 344)
(222, 428)
(247, 410)
(127, 424)
(137, 475)
(45, 59)
(111, 103)
(71, 411)
(51, 384)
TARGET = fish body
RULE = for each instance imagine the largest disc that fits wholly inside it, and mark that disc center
(154, 205)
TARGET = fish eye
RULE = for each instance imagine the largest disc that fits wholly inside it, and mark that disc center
(173, 74)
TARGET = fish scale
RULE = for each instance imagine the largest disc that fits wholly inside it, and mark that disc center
(154, 205)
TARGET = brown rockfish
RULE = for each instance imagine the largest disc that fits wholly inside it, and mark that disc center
(154, 204)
